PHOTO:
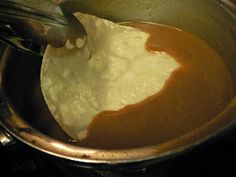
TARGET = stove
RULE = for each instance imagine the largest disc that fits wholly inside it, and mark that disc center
(213, 159)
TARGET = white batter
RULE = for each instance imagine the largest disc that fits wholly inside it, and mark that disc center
(120, 72)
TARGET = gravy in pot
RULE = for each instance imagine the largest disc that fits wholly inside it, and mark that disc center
(143, 84)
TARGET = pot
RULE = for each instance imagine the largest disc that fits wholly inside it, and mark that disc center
(25, 116)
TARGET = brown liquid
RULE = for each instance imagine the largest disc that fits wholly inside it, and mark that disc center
(194, 94)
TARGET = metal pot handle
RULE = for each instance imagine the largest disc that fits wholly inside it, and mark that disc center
(5, 138)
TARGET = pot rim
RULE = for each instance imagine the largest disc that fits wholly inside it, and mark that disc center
(30, 136)
(22, 131)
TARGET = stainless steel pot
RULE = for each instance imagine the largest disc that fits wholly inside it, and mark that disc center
(24, 114)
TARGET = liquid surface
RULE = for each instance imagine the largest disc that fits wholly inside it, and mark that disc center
(195, 94)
